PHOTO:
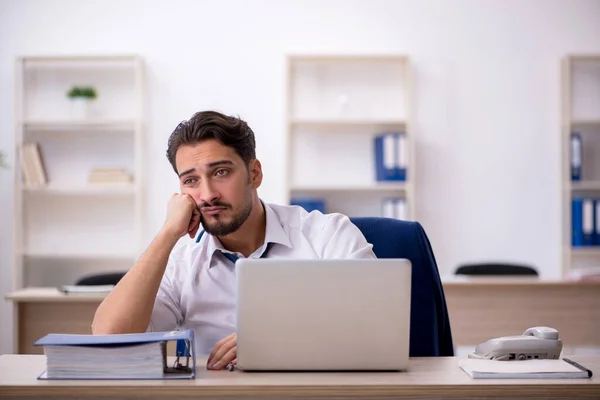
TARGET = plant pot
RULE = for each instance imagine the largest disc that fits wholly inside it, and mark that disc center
(80, 108)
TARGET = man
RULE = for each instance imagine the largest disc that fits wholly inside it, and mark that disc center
(194, 287)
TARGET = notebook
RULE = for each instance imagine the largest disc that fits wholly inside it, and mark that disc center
(524, 369)
(124, 356)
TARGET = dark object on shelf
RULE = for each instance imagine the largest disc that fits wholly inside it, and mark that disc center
(496, 269)
(101, 279)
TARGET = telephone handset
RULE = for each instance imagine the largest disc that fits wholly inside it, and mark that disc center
(539, 342)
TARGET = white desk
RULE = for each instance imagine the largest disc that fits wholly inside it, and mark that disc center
(427, 378)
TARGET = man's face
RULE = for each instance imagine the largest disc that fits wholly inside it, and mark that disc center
(218, 180)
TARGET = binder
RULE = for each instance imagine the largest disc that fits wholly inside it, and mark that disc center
(576, 156)
(309, 204)
(122, 356)
(394, 207)
(597, 222)
(583, 224)
(388, 209)
(391, 156)
(576, 222)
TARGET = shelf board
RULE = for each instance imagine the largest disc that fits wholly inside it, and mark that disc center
(80, 256)
(377, 187)
(586, 251)
(88, 190)
(66, 125)
(332, 58)
(585, 123)
(585, 185)
(346, 122)
(81, 58)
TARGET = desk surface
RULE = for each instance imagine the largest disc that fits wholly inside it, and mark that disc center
(426, 378)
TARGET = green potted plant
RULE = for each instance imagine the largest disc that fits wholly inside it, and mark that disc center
(81, 97)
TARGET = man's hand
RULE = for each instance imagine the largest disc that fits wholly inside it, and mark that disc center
(182, 216)
(224, 352)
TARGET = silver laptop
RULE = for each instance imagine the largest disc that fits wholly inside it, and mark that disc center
(323, 314)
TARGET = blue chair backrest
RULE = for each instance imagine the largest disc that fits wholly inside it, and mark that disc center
(430, 334)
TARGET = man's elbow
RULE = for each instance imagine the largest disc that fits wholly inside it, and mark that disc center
(104, 325)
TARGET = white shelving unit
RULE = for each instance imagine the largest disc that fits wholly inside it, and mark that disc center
(580, 113)
(68, 227)
(336, 105)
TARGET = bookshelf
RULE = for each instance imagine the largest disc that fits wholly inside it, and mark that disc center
(336, 106)
(76, 222)
(580, 98)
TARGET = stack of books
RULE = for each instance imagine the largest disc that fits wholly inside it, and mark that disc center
(124, 356)
(33, 171)
(109, 176)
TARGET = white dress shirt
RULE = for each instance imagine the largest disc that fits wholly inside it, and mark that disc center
(197, 290)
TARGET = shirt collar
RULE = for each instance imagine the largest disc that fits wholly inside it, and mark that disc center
(274, 233)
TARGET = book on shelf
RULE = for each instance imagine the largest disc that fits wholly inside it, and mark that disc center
(524, 369)
(120, 356)
(109, 176)
(32, 165)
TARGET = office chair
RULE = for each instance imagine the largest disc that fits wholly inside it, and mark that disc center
(488, 269)
(101, 279)
(430, 334)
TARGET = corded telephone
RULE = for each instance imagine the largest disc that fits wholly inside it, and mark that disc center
(539, 342)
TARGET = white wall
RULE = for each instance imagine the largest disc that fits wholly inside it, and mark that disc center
(487, 97)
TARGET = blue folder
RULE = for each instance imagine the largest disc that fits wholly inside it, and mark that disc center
(124, 342)
(309, 204)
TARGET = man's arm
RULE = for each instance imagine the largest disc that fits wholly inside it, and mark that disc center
(128, 308)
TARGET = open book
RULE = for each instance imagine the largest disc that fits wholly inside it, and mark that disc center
(126, 356)
(524, 369)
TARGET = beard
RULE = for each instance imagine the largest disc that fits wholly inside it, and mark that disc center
(223, 228)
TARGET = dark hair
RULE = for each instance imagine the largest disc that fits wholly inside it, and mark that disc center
(204, 125)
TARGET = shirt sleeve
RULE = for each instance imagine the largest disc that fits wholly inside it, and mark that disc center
(166, 314)
(342, 239)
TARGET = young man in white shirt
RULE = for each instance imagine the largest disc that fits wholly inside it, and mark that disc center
(194, 286)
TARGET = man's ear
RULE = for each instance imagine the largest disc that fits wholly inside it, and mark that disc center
(256, 174)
